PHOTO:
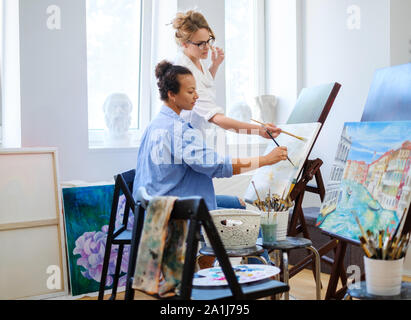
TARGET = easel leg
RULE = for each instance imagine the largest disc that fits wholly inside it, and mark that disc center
(337, 270)
(285, 273)
(320, 185)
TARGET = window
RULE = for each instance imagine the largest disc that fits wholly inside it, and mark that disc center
(10, 74)
(1, 71)
(245, 49)
(113, 67)
(245, 61)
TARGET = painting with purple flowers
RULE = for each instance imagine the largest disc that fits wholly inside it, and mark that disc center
(87, 213)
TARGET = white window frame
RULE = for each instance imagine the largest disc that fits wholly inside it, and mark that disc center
(1, 69)
(260, 47)
(96, 137)
(240, 144)
(10, 75)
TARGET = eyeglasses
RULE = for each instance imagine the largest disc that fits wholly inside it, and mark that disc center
(202, 45)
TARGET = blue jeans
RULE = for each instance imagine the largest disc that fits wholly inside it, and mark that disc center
(228, 202)
(232, 202)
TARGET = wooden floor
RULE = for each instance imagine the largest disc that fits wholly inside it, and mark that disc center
(302, 287)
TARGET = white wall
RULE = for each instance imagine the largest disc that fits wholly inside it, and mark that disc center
(283, 60)
(54, 92)
(400, 41)
(54, 87)
(400, 34)
(334, 53)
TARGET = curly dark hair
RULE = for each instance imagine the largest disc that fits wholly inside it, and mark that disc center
(167, 74)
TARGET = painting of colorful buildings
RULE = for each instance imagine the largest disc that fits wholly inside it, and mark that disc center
(371, 178)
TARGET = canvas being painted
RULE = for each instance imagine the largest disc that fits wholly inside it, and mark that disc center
(371, 177)
(277, 179)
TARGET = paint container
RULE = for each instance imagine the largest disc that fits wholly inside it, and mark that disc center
(280, 219)
(383, 277)
(269, 233)
(282, 225)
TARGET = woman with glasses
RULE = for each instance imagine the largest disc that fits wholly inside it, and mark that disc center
(195, 38)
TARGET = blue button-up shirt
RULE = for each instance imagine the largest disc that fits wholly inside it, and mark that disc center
(174, 160)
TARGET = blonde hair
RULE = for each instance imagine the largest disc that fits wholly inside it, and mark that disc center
(186, 24)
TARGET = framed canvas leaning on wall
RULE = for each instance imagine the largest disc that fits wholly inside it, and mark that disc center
(32, 251)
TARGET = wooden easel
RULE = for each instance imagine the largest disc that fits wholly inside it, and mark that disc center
(311, 170)
(338, 270)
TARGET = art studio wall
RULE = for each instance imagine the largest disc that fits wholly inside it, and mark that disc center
(54, 92)
(331, 47)
(54, 74)
(346, 41)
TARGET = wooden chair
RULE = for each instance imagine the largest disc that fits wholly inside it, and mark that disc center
(195, 210)
(121, 236)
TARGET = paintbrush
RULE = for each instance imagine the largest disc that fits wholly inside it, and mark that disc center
(385, 248)
(271, 136)
(400, 248)
(269, 133)
(407, 242)
(258, 197)
(364, 247)
(282, 131)
(399, 225)
(360, 226)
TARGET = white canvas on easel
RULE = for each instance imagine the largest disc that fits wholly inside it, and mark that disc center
(32, 251)
(278, 178)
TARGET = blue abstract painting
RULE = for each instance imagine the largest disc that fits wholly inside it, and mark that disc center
(87, 213)
(389, 98)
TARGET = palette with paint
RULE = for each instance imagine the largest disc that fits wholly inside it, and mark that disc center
(245, 273)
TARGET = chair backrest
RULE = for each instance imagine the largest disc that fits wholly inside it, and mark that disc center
(123, 185)
(195, 210)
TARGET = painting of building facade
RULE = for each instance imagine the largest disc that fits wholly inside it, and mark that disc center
(371, 178)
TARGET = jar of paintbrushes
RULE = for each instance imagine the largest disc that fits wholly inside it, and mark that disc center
(383, 260)
(274, 216)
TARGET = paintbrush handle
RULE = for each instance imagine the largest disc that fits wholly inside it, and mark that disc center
(278, 146)
(293, 135)
(282, 131)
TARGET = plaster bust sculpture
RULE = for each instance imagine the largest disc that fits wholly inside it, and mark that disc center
(240, 111)
(117, 115)
(266, 108)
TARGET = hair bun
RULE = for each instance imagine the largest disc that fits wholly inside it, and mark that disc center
(162, 68)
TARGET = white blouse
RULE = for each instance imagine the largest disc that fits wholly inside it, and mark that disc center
(205, 107)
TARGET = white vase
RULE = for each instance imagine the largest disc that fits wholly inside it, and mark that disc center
(383, 277)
